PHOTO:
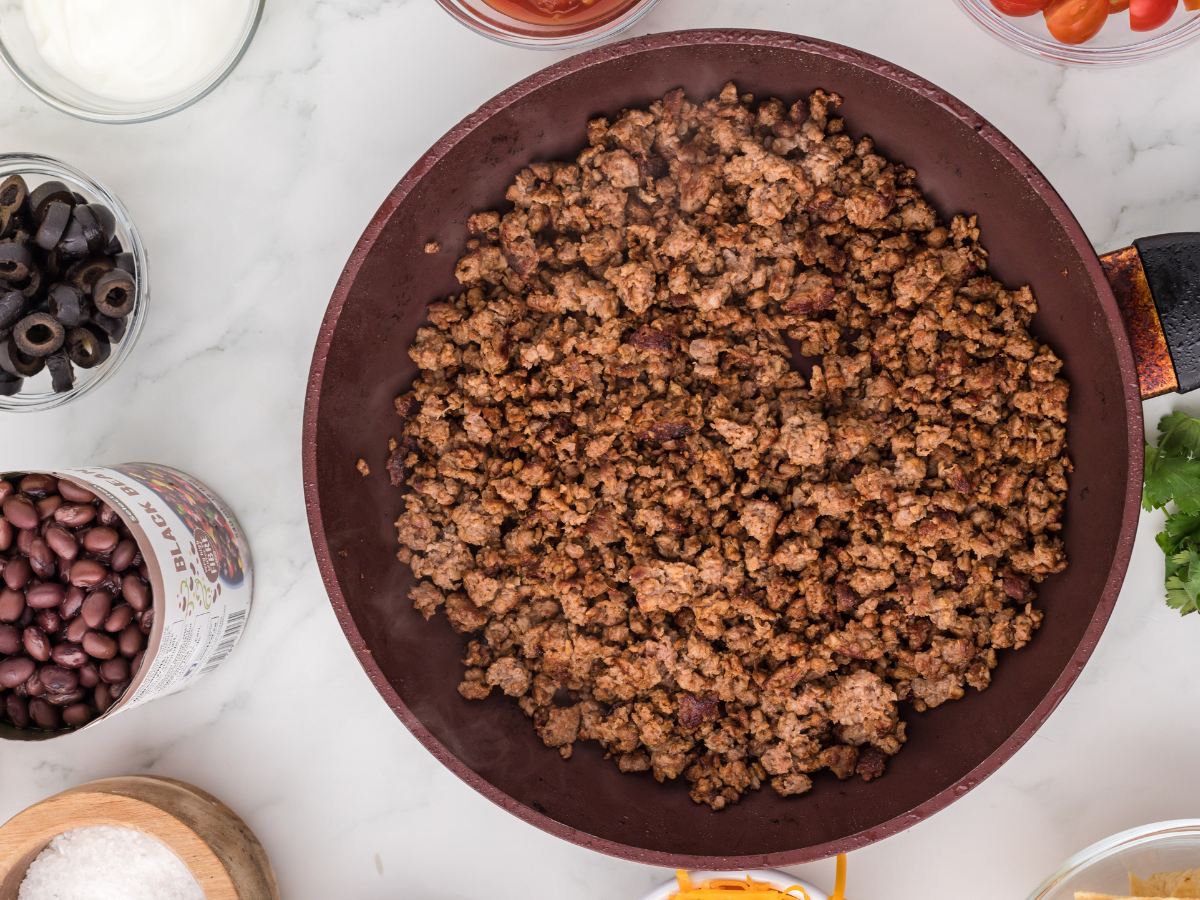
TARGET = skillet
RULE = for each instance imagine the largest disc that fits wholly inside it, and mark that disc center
(964, 164)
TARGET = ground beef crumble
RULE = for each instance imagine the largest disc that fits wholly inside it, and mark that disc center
(658, 533)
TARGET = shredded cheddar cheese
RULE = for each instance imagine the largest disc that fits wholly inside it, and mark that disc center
(723, 888)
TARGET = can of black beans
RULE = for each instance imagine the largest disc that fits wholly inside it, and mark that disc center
(118, 585)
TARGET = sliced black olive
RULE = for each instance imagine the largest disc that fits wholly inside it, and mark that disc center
(74, 242)
(114, 293)
(114, 247)
(14, 362)
(105, 217)
(114, 328)
(10, 384)
(52, 224)
(13, 193)
(47, 192)
(31, 287)
(87, 346)
(84, 273)
(65, 303)
(39, 334)
(125, 262)
(15, 260)
(62, 375)
(12, 304)
(93, 231)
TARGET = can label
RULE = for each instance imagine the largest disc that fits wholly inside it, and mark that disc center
(199, 566)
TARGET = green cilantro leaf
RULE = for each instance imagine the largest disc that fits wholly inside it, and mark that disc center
(1172, 479)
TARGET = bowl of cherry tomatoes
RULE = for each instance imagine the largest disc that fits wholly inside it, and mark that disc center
(1089, 32)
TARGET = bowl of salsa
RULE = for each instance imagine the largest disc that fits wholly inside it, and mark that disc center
(549, 24)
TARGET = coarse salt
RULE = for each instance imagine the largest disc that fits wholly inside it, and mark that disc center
(106, 863)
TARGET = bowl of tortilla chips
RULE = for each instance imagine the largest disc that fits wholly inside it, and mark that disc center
(1153, 862)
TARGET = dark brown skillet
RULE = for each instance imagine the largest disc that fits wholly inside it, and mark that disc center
(965, 165)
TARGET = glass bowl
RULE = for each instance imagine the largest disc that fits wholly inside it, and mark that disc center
(1105, 866)
(19, 51)
(36, 393)
(1116, 45)
(482, 18)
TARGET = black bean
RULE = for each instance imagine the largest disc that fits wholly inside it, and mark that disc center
(73, 493)
(96, 608)
(36, 644)
(100, 540)
(124, 555)
(59, 680)
(135, 664)
(115, 670)
(71, 656)
(87, 573)
(12, 604)
(77, 714)
(99, 646)
(17, 573)
(7, 489)
(43, 560)
(45, 595)
(25, 539)
(6, 535)
(75, 630)
(131, 641)
(48, 620)
(10, 640)
(75, 515)
(146, 621)
(17, 711)
(119, 618)
(33, 686)
(102, 698)
(72, 602)
(43, 714)
(136, 592)
(15, 670)
(47, 506)
(10, 385)
(20, 511)
(62, 542)
(108, 515)
(89, 675)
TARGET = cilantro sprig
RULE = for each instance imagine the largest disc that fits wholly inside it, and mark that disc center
(1173, 479)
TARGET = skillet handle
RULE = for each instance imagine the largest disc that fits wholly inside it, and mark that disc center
(1157, 285)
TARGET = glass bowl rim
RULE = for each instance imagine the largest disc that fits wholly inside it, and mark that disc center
(1105, 847)
(54, 168)
(151, 110)
(460, 11)
(1151, 47)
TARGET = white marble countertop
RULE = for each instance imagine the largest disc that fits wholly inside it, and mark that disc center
(250, 202)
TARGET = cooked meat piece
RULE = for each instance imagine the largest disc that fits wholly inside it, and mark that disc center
(656, 534)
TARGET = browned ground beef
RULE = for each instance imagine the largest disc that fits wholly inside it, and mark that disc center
(659, 535)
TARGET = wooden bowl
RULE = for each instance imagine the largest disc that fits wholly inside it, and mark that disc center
(218, 848)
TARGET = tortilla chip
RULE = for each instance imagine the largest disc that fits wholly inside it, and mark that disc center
(1088, 895)
(1167, 884)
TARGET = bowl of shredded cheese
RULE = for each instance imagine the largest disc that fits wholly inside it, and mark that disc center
(764, 884)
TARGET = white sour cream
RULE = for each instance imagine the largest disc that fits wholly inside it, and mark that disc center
(136, 50)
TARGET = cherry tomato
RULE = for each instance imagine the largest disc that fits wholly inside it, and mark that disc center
(1020, 7)
(1076, 21)
(1119, 6)
(1192, 5)
(1146, 15)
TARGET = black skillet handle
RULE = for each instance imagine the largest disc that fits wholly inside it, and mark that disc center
(1157, 285)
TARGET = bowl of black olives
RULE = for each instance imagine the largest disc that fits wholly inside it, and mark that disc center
(73, 283)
